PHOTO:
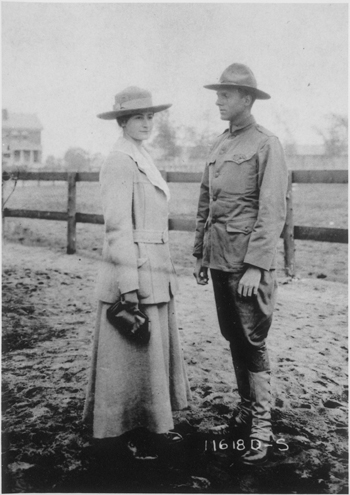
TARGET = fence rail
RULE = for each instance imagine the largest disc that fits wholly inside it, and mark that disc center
(300, 176)
(289, 234)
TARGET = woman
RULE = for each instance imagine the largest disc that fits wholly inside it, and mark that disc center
(134, 388)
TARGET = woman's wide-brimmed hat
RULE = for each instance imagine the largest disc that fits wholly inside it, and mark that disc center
(131, 101)
(239, 76)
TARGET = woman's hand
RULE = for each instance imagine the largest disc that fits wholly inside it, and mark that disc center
(200, 272)
(131, 297)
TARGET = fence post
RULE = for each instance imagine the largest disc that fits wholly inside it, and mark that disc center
(288, 232)
(71, 212)
(3, 206)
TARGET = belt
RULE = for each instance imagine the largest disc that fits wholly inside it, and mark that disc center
(151, 236)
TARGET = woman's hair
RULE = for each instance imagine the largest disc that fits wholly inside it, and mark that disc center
(123, 120)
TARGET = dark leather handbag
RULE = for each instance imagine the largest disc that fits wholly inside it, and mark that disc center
(130, 321)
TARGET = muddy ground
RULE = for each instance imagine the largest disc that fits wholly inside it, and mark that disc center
(48, 320)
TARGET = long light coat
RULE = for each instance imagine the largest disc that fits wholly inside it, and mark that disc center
(132, 386)
(135, 253)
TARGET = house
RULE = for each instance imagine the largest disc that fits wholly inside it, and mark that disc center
(21, 140)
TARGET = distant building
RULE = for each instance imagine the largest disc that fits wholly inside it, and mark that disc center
(21, 140)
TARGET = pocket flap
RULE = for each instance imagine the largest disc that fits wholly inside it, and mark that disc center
(238, 229)
(240, 158)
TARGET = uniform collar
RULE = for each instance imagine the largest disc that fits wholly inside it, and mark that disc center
(246, 123)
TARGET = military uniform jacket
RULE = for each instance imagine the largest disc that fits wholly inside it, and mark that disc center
(136, 251)
(242, 202)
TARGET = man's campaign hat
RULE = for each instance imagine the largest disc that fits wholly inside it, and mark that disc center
(239, 76)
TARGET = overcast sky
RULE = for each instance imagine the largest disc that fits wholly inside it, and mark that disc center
(66, 61)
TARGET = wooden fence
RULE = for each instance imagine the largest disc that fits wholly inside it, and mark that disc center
(289, 234)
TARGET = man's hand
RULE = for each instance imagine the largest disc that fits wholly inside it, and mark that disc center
(249, 283)
(200, 272)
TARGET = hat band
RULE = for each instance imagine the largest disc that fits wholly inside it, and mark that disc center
(133, 104)
(239, 83)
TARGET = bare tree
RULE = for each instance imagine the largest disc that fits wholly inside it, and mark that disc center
(165, 136)
(77, 160)
(9, 179)
(50, 163)
(289, 142)
(335, 135)
(201, 142)
(13, 178)
(96, 161)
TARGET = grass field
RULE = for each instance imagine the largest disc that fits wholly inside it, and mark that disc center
(316, 205)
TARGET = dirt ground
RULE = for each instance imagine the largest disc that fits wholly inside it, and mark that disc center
(48, 320)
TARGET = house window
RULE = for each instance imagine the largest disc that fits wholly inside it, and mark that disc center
(36, 156)
(26, 156)
(17, 155)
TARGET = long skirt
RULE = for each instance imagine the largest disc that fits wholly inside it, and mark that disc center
(132, 385)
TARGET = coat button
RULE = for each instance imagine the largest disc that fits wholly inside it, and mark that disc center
(215, 198)
(217, 174)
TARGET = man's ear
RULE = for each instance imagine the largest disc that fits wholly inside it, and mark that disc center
(248, 100)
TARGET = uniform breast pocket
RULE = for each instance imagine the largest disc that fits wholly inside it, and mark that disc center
(242, 173)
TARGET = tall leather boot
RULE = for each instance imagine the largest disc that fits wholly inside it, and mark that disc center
(261, 429)
(241, 416)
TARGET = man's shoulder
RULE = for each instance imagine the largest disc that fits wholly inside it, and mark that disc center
(264, 131)
(221, 136)
(217, 140)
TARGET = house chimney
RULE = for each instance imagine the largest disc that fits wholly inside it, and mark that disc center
(5, 114)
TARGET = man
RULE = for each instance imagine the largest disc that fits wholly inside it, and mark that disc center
(241, 213)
